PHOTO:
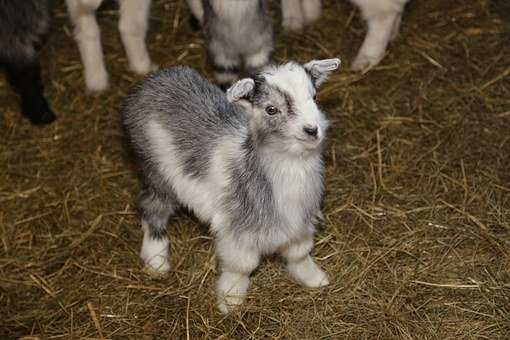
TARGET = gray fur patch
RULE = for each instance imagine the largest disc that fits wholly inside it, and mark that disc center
(250, 198)
(196, 112)
(155, 209)
(21, 25)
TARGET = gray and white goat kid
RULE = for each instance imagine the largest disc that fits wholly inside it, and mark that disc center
(133, 24)
(237, 32)
(383, 19)
(247, 162)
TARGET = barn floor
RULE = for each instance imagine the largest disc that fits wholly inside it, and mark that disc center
(417, 231)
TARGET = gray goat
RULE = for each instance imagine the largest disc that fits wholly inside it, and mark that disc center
(247, 162)
(22, 23)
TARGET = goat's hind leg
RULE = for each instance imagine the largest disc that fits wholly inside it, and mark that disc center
(133, 24)
(155, 210)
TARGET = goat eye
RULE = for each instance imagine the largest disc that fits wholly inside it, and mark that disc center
(314, 97)
(271, 110)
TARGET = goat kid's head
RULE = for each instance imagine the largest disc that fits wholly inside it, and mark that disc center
(281, 103)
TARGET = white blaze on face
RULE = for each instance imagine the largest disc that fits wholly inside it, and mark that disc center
(294, 80)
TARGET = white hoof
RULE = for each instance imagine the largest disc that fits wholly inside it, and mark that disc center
(231, 290)
(154, 253)
(227, 304)
(308, 273)
(144, 67)
(156, 266)
(319, 279)
(293, 24)
(97, 81)
(362, 62)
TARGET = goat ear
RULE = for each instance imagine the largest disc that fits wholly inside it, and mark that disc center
(240, 89)
(319, 70)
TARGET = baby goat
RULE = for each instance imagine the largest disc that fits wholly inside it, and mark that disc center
(249, 163)
(237, 32)
(134, 16)
(21, 25)
(383, 19)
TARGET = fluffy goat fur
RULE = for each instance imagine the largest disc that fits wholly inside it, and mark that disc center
(248, 162)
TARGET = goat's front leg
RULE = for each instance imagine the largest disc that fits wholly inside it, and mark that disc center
(87, 35)
(301, 265)
(237, 261)
(133, 24)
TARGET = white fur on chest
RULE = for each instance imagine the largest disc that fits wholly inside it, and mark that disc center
(297, 188)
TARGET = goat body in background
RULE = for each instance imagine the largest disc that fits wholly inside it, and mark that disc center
(238, 33)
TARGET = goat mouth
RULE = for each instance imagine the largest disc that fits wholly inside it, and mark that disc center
(310, 144)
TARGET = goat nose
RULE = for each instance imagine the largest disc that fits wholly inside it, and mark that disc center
(311, 130)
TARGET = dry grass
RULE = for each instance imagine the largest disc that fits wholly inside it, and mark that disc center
(417, 231)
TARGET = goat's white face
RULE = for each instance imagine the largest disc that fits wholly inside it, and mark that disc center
(281, 100)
